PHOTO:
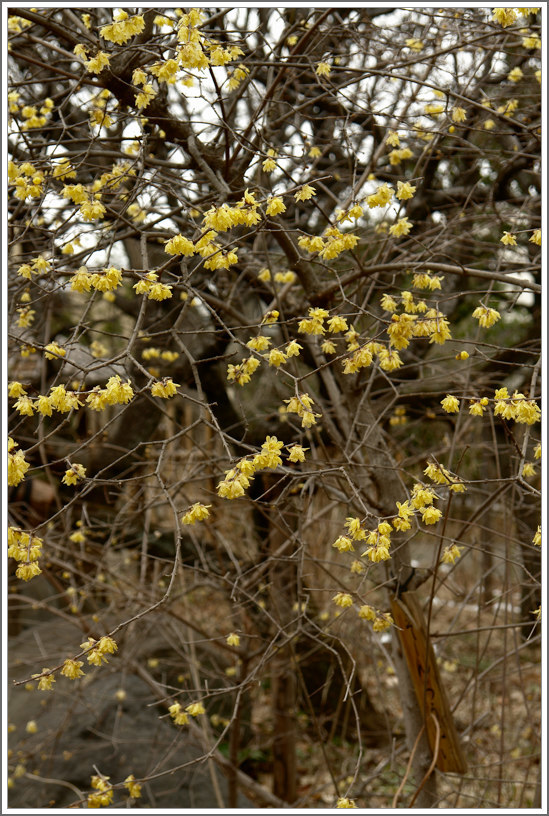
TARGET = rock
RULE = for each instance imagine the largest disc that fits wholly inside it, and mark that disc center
(83, 727)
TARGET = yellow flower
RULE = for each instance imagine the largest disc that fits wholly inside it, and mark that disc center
(344, 802)
(430, 515)
(74, 474)
(194, 709)
(486, 316)
(46, 682)
(198, 512)
(343, 599)
(528, 469)
(414, 44)
(405, 190)
(276, 358)
(451, 554)
(297, 453)
(259, 343)
(97, 63)
(367, 612)
(388, 303)
(535, 238)
(459, 114)
(24, 406)
(476, 409)
(504, 16)
(165, 388)
(305, 193)
(450, 404)
(515, 75)
(53, 351)
(508, 239)
(382, 622)
(134, 788)
(392, 139)
(323, 69)
(537, 537)
(402, 227)
(275, 205)
(17, 466)
(293, 348)
(233, 639)
(343, 544)
(72, 669)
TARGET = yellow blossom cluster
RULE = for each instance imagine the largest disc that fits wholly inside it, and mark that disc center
(314, 324)
(352, 214)
(302, 405)
(516, 407)
(181, 717)
(165, 388)
(422, 499)
(104, 281)
(26, 549)
(236, 75)
(332, 244)
(440, 475)
(153, 353)
(399, 155)
(426, 280)
(64, 169)
(504, 16)
(104, 792)
(133, 787)
(381, 197)
(380, 542)
(26, 317)
(96, 651)
(115, 393)
(34, 118)
(178, 714)
(380, 620)
(17, 464)
(26, 179)
(244, 213)
(238, 478)
(124, 27)
(242, 373)
(113, 178)
(37, 266)
(150, 286)
(179, 245)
